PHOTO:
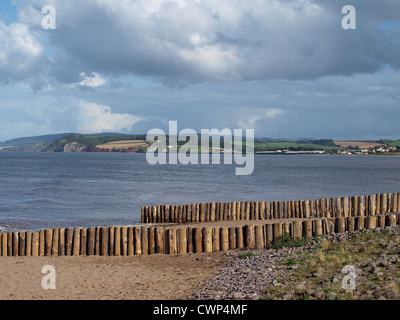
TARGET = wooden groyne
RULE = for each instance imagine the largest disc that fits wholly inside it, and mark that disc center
(258, 225)
(178, 239)
(355, 206)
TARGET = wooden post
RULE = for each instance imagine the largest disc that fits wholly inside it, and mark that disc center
(232, 238)
(323, 208)
(198, 240)
(171, 236)
(212, 216)
(230, 213)
(202, 212)
(131, 242)
(239, 237)
(389, 202)
(391, 220)
(221, 211)
(68, 241)
(145, 241)
(297, 230)
(190, 239)
(207, 240)
(137, 233)
(28, 243)
(216, 239)
(256, 211)
(97, 243)
(372, 205)
(384, 203)
(22, 243)
(361, 207)
(340, 225)
(247, 211)
(104, 232)
(269, 235)
(42, 244)
(382, 221)
(297, 209)
(111, 240)
(250, 236)
(317, 227)
(124, 240)
(259, 235)
(378, 204)
(189, 213)
(4, 245)
(237, 211)
(398, 202)
(56, 236)
(262, 210)
(35, 244)
(355, 206)
(360, 223)
(91, 240)
(267, 211)
(61, 242)
(77, 241)
(284, 209)
(117, 241)
(307, 209)
(224, 239)
(372, 222)
(286, 228)
(277, 231)
(345, 201)
(182, 241)
(252, 209)
(307, 229)
(395, 202)
(233, 215)
(338, 207)
(351, 224)
(160, 240)
(184, 214)
(10, 244)
(276, 210)
(83, 242)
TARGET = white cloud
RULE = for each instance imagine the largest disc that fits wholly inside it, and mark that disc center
(92, 80)
(21, 52)
(258, 117)
(94, 118)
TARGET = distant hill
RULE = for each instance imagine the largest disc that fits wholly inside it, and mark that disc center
(48, 138)
(87, 143)
(33, 140)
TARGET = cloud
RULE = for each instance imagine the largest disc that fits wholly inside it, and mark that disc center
(189, 42)
(92, 80)
(21, 53)
(94, 118)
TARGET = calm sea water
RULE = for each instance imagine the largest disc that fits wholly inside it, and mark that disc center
(46, 190)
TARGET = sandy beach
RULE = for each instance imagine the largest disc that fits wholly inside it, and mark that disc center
(107, 278)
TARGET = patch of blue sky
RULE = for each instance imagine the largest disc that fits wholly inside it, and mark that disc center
(388, 27)
(8, 12)
(140, 82)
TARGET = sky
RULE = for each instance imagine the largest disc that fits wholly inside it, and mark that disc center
(287, 69)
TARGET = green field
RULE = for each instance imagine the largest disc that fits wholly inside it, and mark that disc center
(395, 143)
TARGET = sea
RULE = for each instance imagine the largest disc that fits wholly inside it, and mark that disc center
(49, 190)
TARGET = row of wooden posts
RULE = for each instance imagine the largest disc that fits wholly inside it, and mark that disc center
(355, 206)
(145, 240)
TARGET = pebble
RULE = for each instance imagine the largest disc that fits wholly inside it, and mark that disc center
(248, 279)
